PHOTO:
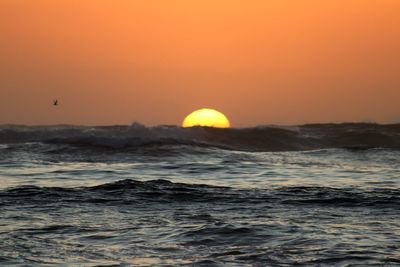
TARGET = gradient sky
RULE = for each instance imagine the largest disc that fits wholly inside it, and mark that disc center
(155, 61)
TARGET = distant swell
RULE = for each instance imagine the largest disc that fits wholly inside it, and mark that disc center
(262, 138)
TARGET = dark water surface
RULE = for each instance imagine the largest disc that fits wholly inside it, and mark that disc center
(165, 196)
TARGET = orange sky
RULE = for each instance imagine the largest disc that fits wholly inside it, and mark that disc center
(155, 61)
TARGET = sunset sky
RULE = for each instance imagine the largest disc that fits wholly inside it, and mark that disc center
(155, 61)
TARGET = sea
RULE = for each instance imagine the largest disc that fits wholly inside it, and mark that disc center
(131, 195)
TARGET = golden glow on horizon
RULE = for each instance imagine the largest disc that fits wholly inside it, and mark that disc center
(262, 62)
(206, 117)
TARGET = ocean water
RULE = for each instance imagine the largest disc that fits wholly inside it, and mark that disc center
(313, 195)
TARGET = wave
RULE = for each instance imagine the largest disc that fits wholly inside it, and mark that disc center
(357, 136)
(280, 226)
(133, 192)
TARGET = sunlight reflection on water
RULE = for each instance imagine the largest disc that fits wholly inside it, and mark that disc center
(310, 208)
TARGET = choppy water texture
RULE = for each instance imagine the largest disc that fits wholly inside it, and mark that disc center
(314, 195)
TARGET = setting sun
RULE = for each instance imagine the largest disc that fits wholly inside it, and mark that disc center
(206, 117)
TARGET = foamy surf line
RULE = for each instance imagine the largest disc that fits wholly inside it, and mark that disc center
(260, 138)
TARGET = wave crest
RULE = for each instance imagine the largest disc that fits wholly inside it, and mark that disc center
(164, 191)
(261, 138)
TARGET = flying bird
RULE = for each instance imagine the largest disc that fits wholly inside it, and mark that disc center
(55, 102)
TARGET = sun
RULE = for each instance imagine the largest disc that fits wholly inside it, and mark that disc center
(206, 117)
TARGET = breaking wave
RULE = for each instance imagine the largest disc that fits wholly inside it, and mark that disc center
(260, 138)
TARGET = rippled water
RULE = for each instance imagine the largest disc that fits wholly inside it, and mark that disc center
(193, 205)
